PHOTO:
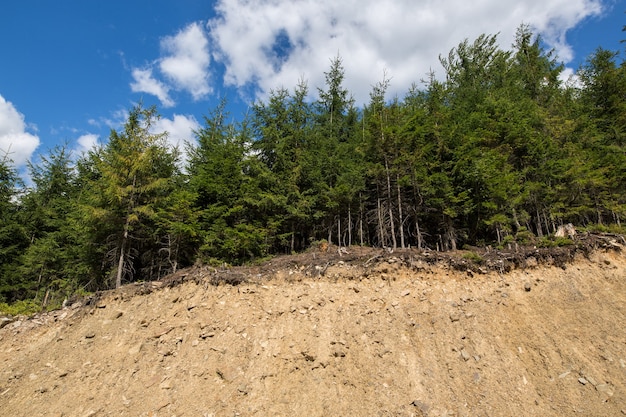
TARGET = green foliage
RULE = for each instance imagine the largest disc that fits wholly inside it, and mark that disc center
(129, 180)
(474, 257)
(20, 308)
(524, 236)
(500, 151)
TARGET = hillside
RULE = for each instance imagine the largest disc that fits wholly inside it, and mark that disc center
(362, 333)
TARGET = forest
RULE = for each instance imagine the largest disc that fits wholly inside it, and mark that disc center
(499, 151)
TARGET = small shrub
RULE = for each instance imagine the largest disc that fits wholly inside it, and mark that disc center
(473, 257)
(553, 242)
(22, 307)
(524, 236)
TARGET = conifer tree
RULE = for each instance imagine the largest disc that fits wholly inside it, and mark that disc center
(130, 176)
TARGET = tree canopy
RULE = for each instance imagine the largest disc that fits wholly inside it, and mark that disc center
(499, 150)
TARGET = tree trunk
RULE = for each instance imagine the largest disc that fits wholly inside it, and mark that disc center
(349, 227)
(515, 219)
(392, 226)
(539, 228)
(360, 219)
(122, 259)
(450, 234)
(381, 240)
(419, 233)
(339, 231)
(400, 216)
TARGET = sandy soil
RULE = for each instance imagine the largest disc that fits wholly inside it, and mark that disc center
(367, 333)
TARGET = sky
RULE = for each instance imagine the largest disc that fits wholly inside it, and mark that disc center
(70, 70)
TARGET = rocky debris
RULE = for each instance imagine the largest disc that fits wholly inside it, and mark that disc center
(455, 316)
(6, 320)
(371, 337)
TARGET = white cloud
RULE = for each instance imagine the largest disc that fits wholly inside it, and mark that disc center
(146, 83)
(267, 44)
(180, 130)
(183, 66)
(187, 62)
(14, 139)
(87, 142)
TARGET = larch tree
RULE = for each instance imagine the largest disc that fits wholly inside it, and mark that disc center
(132, 174)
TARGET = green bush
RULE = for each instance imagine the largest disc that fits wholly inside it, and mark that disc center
(524, 236)
(22, 307)
(474, 257)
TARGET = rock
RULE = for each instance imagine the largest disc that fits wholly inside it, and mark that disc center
(566, 230)
(423, 407)
(606, 389)
(90, 335)
(6, 320)
(466, 356)
(135, 349)
(405, 293)
(527, 287)
(582, 380)
(455, 316)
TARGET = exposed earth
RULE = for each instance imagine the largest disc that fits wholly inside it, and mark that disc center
(359, 332)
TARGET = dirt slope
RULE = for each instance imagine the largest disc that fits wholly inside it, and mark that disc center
(370, 335)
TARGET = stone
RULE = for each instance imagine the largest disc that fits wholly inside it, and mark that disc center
(466, 356)
(455, 316)
(6, 320)
(135, 349)
(423, 407)
(605, 388)
(582, 380)
(527, 287)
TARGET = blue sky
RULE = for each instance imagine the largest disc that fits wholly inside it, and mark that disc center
(71, 69)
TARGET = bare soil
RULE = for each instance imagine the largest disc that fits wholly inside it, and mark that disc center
(361, 332)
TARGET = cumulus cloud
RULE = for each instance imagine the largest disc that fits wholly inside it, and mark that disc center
(267, 44)
(180, 131)
(183, 66)
(146, 83)
(187, 62)
(15, 141)
(87, 142)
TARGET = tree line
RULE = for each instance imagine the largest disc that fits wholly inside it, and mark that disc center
(499, 151)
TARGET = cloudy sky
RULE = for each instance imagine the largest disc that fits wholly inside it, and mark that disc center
(71, 69)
